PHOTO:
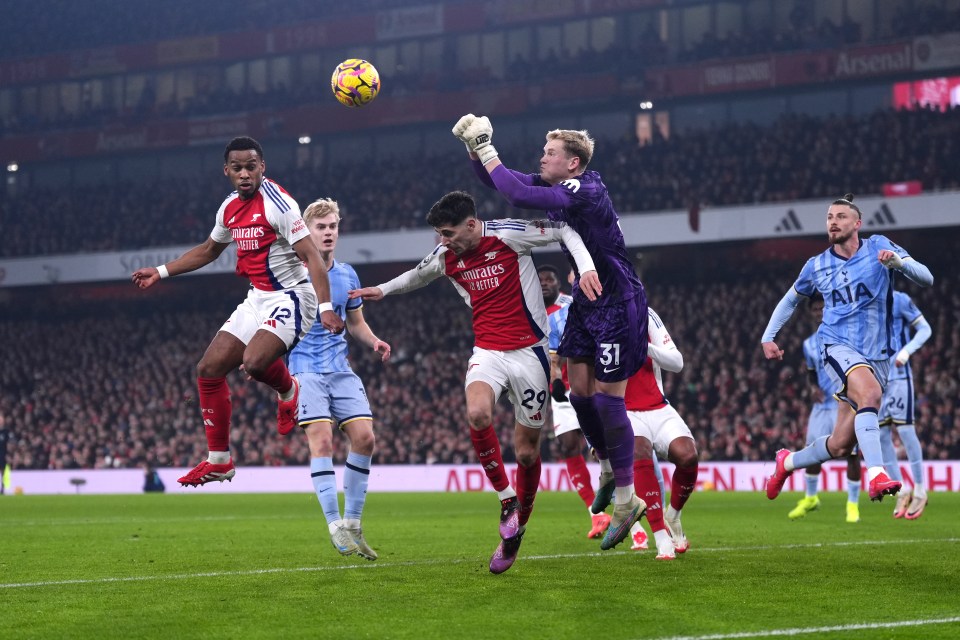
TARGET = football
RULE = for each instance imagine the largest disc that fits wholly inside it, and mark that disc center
(355, 82)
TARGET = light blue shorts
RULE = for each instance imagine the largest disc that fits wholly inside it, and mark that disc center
(332, 397)
(823, 417)
(897, 406)
(841, 360)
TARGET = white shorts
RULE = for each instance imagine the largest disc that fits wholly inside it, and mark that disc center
(523, 373)
(288, 314)
(564, 418)
(661, 427)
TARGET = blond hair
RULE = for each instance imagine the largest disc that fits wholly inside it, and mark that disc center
(320, 208)
(575, 143)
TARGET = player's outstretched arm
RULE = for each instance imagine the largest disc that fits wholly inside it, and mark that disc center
(309, 254)
(470, 130)
(197, 257)
(366, 293)
(429, 269)
(909, 267)
(359, 329)
(781, 315)
(527, 196)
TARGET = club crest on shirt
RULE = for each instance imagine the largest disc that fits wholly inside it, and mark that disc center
(424, 262)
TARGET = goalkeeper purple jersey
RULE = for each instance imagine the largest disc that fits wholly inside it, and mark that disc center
(584, 204)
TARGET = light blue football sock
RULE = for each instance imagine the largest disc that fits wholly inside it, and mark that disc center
(813, 483)
(356, 476)
(908, 436)
(867, 427)
(814, 453)
(890, 463)
(853, 490)
(325, 484)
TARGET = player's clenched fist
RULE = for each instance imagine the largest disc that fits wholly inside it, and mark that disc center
(478, 137)
(462, 124)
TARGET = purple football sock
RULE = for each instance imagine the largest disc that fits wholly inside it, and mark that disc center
(590, 423)
(618, 434)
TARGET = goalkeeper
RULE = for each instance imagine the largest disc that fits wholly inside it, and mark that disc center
(605, 340)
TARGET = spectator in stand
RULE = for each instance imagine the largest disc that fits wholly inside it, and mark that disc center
(723, 165)
(62, 420)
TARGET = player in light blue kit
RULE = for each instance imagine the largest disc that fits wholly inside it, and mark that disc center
(855, 278)
(823, 417)
(330, 392)
(605, 340)
(898, 406)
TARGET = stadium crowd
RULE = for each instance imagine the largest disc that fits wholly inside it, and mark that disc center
(723, 165)
(110, 383)
(79, 26)
(626, 58)
(95, 24)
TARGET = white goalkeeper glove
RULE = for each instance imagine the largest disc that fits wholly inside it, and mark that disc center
(893, 262)
(478, 137)
(461, 126)
(902, 356)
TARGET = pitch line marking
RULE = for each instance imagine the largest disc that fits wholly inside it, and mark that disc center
(807, 630)
(123, 520)
(413, 563)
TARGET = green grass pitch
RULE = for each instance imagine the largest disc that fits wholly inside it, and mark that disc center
(205, 566)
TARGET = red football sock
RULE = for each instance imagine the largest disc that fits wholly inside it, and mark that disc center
(215, 408)
(487, 446)
(648, 489)
(277, 376)
(682, 485)
(528, 481)
(580, 478)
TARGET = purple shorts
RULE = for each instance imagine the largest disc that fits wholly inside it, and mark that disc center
(615, 336)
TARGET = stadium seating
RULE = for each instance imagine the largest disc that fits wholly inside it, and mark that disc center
(110, 383)
(735, 164)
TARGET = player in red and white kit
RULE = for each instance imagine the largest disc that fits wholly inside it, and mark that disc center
(658, 428)
(276, 253)
(489, 264)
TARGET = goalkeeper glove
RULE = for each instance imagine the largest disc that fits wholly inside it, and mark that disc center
(479, 138)
(461, 126)
(558, 391)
